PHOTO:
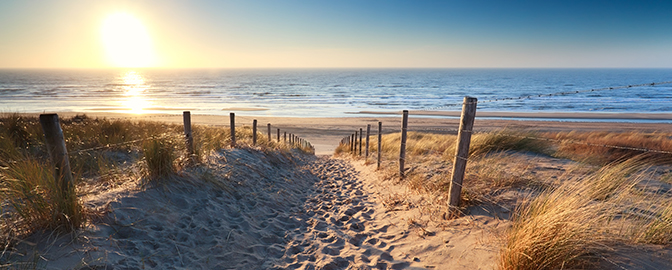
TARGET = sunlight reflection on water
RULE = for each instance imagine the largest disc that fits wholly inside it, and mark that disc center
(134, 87)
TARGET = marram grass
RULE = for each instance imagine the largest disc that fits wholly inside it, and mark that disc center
(33, 199)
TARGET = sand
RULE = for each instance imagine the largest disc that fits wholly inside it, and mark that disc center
(248, 209)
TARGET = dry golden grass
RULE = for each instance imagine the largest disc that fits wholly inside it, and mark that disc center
(36, 200)
(429, 162)
(569, 225)
(598, 154)
(97, 147)
(569, 221)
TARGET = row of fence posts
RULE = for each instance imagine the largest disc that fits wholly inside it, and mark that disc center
(352, 142)
(58, 152)
(461, 153)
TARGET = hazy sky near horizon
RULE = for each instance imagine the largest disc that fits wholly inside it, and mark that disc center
(371, 33)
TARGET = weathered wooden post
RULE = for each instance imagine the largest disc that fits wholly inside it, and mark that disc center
(188, 136)
(462, 151)
(402, 151)
(278, 135)
(361, 135)
(269, 132)
(284, 137)
(368, 132)
(254, 132)
(232, 117)
(53, 135)
(380, 138)
(352, 143)
(355, 152)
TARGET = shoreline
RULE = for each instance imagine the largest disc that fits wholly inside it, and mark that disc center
(326, 132)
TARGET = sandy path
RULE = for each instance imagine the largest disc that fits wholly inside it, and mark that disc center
(341, 232)
(348, 226)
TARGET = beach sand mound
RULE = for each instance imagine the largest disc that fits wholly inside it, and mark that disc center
(250, 209)
(233, 212)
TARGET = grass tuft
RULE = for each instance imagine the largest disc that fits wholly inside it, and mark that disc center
(37, 199)
(505, 139)
(564, 227)
(160, 157)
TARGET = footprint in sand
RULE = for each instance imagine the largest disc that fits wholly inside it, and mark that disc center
(337, 235)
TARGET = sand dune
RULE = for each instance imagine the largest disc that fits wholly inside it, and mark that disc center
(246, 209)
(251, 209)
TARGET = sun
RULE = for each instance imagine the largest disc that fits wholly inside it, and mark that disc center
(126, 41)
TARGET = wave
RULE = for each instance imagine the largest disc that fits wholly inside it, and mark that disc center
(11, 90)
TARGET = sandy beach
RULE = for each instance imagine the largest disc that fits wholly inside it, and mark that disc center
(259, 210)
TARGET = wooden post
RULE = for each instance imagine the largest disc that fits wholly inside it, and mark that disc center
(254, 132)
(402, 151)
(188, 136)
(380, 138)
(285, 137)
(232, 117)
(352, 142)
(462, 151)
(368, 132)
(361, 134)
(355, 152)
(278, 135)
(53, 135)
(269, 132)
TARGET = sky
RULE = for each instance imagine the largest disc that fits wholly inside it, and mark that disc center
(335, 34)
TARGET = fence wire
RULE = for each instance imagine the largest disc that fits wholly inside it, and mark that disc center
(109, 146)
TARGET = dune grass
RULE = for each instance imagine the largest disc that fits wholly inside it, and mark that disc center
(160, 156)
(97, 148)
(570, 222)
(37, 200)
(595, 153)
(429, 160)
(569, 226)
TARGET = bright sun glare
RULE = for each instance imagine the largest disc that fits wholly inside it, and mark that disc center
(126, 42)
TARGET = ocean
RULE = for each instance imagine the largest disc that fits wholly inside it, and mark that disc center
(330, 92)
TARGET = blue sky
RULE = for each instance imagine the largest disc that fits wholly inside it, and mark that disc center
(250, 34)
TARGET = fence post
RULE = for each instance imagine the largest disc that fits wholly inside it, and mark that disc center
(368, 132)
(402, 151)
(361, 134)
(284, 137)
(352, 142)
(53, 135)
(462, 151)
(278, 135)
(254, 132)
(188, 136)
(356, 135)
(232, 117)
(269, 132)
(380, 138)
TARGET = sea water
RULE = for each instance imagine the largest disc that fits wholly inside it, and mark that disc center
(330, 92)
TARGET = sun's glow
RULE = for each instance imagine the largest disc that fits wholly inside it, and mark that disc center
(127, 42)
(134, 87)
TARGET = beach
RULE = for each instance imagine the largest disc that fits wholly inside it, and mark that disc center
(265, 210)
